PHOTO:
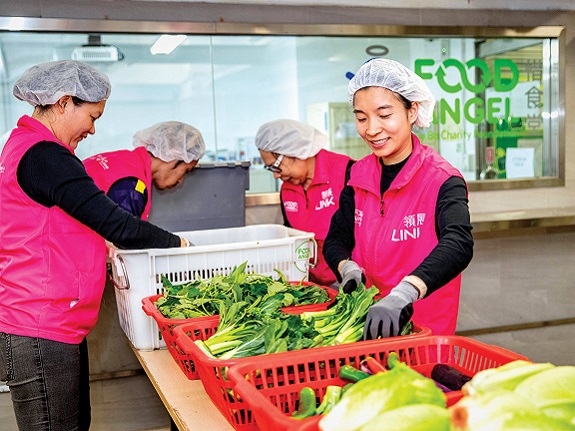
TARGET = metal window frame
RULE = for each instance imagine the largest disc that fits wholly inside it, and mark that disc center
(341, 30)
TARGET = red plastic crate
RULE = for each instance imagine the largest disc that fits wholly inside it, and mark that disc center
(204, 328)
(270, 385)
(213, 372)
(207, 326)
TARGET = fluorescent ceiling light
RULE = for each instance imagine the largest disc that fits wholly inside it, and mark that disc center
(167, 43)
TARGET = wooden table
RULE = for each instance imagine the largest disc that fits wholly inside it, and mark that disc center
(186, 400)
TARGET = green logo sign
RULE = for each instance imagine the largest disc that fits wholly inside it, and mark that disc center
(303, 252)
(453, 76)
(501, 66)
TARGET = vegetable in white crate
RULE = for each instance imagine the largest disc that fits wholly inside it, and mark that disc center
(205, 297)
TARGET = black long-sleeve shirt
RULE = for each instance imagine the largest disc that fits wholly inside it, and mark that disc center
(453, 227)
(52, 176)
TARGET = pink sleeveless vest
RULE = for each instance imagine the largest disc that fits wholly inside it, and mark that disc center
(52, 268)
(393, 238)
(311, 211)
(107, 168)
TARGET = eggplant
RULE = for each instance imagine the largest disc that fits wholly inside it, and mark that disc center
(449, 377)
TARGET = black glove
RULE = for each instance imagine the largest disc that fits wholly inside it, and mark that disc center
(351, 276)
(389, 315)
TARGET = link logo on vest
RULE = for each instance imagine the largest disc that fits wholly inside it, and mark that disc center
(103, 161)
(326, 199)
(358, 217)
(290, 206)
(411, 228)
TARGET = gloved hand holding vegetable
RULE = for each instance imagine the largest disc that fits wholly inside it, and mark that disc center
(351, 276)
(387, 316)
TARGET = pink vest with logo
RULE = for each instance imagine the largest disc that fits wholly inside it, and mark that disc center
(311, 210)
(52, 267)
(107, 168)
(393, 238)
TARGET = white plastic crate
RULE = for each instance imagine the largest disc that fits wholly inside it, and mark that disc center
(138, 273)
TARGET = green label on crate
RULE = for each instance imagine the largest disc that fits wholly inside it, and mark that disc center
(302, 253)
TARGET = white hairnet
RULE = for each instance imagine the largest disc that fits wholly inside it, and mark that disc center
(394, 76)
(172, 140)
(290, 138)
(46, 83)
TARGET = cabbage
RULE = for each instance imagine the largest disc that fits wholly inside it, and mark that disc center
(414, 417)
(376, 394)
(521, 421)
(565, 411)
(473, 410)
(506, 377)
(538, 397)
(552, 391)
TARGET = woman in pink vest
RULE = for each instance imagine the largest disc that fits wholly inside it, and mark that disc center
(53, 222)
(164, 153)
(312, 179)
(403, 223)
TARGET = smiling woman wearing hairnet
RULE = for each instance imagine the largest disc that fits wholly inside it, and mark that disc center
(403, 221)
(164, 153)
(53, 221)
(312, 179)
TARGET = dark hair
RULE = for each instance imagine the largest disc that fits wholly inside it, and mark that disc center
(406, 102)
(75, 100)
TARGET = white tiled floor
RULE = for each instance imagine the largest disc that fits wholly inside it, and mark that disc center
(123, 404)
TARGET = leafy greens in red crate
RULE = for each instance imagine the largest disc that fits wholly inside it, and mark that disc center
(261, 327)
(374, 403)
(200, 298)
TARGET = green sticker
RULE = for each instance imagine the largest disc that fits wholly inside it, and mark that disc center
(302, 253)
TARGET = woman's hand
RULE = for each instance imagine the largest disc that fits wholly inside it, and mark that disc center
(351, 275)
(185, 243)
(389, 315)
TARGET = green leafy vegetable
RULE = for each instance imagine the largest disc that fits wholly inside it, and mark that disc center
(552, 391)
(200, 298)
(414, 417)
(520, 395)
(379, 393)
(504, 377)
(260, 327)
(514, 421)
(344, 322)
(472, 411)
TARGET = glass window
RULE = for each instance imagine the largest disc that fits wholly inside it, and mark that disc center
(496, 117)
